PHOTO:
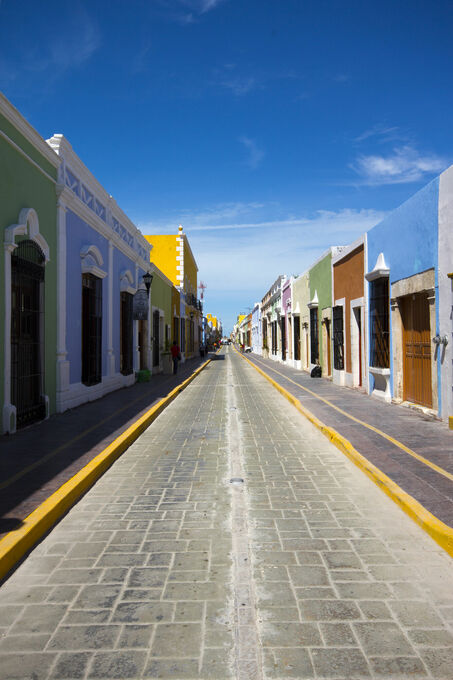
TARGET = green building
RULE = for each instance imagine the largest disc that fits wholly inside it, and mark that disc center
(28, 272)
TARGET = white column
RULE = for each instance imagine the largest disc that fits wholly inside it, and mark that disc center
(135, 345)
(110, 352)
(62, 363)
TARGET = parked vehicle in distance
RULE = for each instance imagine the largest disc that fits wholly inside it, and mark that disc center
(247, 349)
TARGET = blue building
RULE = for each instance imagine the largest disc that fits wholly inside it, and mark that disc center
(405, 348)
(101, 260)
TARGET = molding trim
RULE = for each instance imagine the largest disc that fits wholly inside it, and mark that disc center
(380, 269)
(92, 261)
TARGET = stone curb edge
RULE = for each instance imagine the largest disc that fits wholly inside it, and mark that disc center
(439, 531)
(17, 543)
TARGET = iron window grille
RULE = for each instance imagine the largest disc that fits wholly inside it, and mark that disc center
(338, 338)
(91, 329)
(314, 336)
(296, 338)
(27, 333)
(379, 322)
(126, 350)
(156, 337)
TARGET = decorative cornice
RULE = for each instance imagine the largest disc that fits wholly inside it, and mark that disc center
(380, 269)
(25, 129)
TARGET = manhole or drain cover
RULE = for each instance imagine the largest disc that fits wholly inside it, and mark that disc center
(236, 480)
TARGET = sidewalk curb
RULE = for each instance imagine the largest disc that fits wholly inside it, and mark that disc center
(17, 543)
(439, 532)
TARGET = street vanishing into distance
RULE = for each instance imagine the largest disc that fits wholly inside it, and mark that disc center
(231, 540)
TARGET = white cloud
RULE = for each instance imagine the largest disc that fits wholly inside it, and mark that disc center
(240, 85)
(385, 133)
(241, 248)
(186, 11)
(255, 153)
(405, 164)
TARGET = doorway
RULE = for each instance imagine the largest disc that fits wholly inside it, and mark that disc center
(156, 337)
(417, 386)
(27, 333)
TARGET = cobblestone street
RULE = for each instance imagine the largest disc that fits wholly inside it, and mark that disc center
(171, 566)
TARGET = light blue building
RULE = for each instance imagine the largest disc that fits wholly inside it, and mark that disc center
(406, 353)
(101, 260)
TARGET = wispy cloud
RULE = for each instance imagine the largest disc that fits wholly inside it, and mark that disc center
(187, 11)
(53, 52)
(241, 248)
(240, 85)
(255, 153)
(383, 133)
(403, 165)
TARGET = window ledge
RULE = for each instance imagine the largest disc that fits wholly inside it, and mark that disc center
(379, 371)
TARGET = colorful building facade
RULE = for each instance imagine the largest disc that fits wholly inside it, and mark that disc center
(28, 272)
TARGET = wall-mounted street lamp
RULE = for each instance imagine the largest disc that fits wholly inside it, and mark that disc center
(147, 280)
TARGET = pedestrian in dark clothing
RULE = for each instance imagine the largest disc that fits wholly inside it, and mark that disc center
(175, 355)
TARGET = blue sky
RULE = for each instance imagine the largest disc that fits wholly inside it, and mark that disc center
(271, 129)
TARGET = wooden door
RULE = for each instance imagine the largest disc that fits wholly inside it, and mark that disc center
(417, 349)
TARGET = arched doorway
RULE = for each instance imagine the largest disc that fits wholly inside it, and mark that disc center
(27, 333)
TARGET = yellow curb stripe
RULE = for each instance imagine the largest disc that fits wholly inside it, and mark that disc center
(440, 532)
(54, 452)
(389, 438)
(16, 543)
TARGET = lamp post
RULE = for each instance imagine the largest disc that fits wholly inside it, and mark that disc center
(147, 280)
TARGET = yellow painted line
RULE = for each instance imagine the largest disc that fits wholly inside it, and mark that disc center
(439, 531)
(389, 438)
(54, 452)
(15, 544)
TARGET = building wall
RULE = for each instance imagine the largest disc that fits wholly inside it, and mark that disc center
(320, 278)
(23, 185)
(445, 327)
(348, 284)
(408, 238)
(301, 298)
(78, 235)
(163, 255)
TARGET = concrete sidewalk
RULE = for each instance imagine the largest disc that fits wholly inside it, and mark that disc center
(38, 460)
(428, 438)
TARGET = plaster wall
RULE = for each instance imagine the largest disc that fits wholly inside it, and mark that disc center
(348, 284)
(164, 255)
(445, 327)
(22, 185)
(300, 300)
(320, 277)
(408, 238)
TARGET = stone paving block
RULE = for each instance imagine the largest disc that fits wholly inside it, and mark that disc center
(176, 640)
(308, 576)
(39, 618)
(143, 612)
(117, 664)
(90, 616)
(382, 639)
(328, 610)
(290, 634)
(413, 614)
(338, 634)
(400, 667)
(172, 669)
(31, 666)
(136, 636)
(24, 643)
(288, 663)
(71, 665)
(84, 637)
(431, 638)
(340, 663)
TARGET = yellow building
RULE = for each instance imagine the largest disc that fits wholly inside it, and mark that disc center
(173, 255)
(212, 320)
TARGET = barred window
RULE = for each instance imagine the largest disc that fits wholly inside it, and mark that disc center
(379, 323)
(91, 329)
(314, 336)
(126, 334)
(338, 338)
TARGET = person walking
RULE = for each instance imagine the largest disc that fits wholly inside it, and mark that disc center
(175, 355)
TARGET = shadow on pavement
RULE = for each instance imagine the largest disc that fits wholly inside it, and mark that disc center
(36, 461)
